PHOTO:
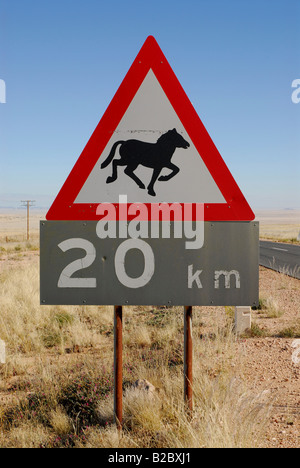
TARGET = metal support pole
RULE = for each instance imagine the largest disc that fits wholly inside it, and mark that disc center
(188, 357)
(118, 363)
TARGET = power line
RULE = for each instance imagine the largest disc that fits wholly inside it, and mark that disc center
(28, 204)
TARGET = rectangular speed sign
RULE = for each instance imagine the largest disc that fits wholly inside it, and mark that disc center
(79, 267)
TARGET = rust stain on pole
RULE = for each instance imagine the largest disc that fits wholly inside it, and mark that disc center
(118, 364)
(188, 357)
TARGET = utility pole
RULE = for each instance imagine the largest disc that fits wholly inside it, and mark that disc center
(28, 204)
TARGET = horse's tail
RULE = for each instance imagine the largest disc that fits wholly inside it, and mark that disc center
(111, 155)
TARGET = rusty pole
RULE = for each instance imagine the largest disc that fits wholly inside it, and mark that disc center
(118, 364)
(188, 357)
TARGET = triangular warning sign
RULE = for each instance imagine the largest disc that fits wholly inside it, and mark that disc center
(151, 146)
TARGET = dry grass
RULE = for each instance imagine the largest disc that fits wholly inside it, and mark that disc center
(18, 244)
(57, 385)
(224, 416)
(280, 232)
(270, 307)
(283, 226)
(27, 327)
(56, 389)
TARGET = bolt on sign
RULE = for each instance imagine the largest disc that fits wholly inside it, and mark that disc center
(150, 213)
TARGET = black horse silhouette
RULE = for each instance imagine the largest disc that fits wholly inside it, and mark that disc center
(153, 155)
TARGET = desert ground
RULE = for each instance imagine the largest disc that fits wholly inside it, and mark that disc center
(14, 223)
(276, 224)
(56, 387)
(279, 225)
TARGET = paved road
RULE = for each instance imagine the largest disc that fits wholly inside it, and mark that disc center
(280, 257)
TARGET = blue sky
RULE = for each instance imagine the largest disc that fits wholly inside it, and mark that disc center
(63, 60)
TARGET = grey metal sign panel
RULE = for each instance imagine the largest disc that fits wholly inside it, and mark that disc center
(77, 267)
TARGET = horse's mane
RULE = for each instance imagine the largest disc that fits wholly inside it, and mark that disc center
(164, 137)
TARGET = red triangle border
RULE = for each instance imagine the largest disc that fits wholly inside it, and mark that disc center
(151, 57)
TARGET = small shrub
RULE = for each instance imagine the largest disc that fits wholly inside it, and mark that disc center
(63, 441)
(51, 338)
(229, 311)
(255, 331)
(35, 407)
(290, 332)
(81, 396)
(269, 307)
(63, 318)
(261, 304)
(159, 317)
